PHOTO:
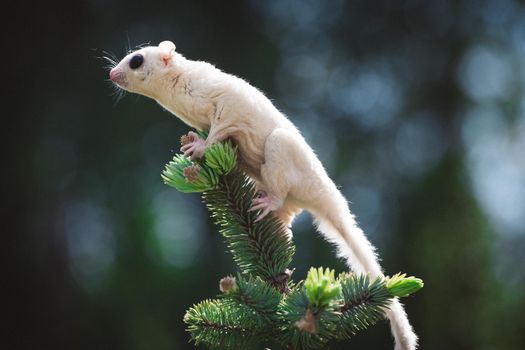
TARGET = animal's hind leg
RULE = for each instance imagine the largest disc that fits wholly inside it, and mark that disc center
(277, 176)
(286, 214)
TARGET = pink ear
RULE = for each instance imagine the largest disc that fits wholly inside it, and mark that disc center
(166, 49)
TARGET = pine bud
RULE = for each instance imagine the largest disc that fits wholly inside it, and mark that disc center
(191, 173)
(321, 287)
(401, 286)
(184, 140)
(227, 284)
(307, 322)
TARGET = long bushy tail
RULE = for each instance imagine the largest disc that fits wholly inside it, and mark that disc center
(338, 226)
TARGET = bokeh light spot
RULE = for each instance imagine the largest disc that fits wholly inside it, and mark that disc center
(90, 242)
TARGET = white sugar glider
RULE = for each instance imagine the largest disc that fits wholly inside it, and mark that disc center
(271, 150)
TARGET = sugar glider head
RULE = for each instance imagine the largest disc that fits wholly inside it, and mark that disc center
(141, 71)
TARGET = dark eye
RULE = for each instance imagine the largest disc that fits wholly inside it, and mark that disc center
(136, 61)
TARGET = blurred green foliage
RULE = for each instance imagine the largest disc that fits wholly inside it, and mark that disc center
(415, 108)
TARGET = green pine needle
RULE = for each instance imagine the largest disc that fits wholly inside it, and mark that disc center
(262, 249)
(222, 325)
(401, 286)
(321, 287)
(303, 326)
(174, 176)
(257, 295)
(364, 302)
(219, 159)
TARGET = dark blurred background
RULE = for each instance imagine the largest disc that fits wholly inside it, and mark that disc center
(416, 108)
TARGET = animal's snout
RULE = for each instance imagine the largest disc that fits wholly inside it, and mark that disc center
(117, 76)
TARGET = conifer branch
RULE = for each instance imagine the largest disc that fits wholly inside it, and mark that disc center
(262, 249)
(262, 303)
(258, 295)
(222, 325)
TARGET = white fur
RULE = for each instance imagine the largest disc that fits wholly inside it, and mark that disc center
(271, 150)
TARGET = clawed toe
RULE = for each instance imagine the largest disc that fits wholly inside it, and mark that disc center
(258, 206)
(256, 201)
(263, 203)
(261, 216)
(195, 148)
